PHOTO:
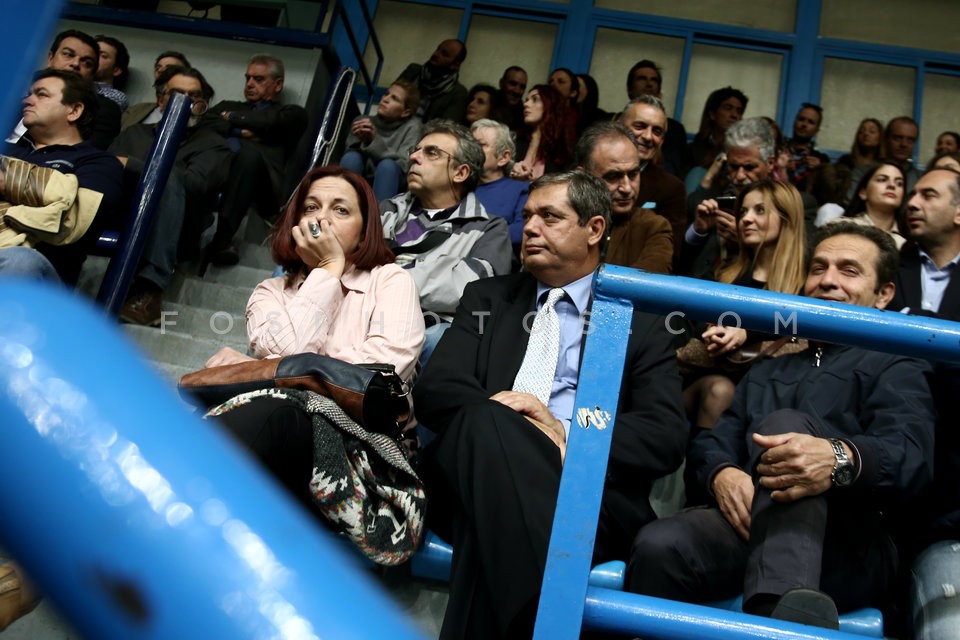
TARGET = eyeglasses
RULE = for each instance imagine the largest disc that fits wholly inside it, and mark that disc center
(432, 151)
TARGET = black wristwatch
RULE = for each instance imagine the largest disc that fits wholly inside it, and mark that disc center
(842, 474)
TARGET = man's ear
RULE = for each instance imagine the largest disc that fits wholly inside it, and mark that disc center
(597, 227)
(406, 113)
(461, 173)
(279, 85)
(76, 110)
(885, 295)
(504, 159)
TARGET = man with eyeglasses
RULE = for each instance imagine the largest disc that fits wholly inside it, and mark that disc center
(188, 197)
(439, 230)
(749, 154)
(77, 51)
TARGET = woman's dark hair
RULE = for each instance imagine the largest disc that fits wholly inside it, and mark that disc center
(591, 102)
(557, 129)
(714, 100)
(373, 250)
(858, 206)
(497, 103)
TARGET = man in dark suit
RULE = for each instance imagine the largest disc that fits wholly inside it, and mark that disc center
(926, 282)
(493, 471)
(262, 134)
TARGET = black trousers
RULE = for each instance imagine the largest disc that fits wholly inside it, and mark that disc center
(280, 435)
(248, 185)
(827, 542)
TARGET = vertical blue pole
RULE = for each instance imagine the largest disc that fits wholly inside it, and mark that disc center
(564, 589)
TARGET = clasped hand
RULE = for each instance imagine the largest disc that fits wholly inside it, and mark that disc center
(533, 410)
(709, 215)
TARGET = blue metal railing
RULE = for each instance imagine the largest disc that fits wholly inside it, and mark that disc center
(159, 163)
(139, 520)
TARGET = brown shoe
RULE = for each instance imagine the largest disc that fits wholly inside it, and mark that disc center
(144, 306)
(17, 596)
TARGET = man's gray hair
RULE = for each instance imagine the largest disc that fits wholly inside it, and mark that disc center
(274, 64)
(591, 137)
(587, 195)
(504, 140)
(752, 132)
(469, 151)
(652, 101)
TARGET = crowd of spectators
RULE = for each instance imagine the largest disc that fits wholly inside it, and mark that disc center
(541, 186)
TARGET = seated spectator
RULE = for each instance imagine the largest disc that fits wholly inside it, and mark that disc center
(588, 102)
(513, 84)
(637, 237)
(946, 160)
(188, 198)
(77, 185)
(830, 185)
(645, 78)
(899, 141)
(878, 200)
(927, 284)
(771, 256)
(500, 195)
(378, 146)
(113, 72)
(483, 101)
(439, 231)
(545, 142)
(805, 157)
(723, 108)
(815, 448)
(441, 94)
(76, 51)
(341, 296)
(147, 112)
(647, 118)
(948, 141)
(565, 83)
(502, 417)
(262, 134)
(867, 145)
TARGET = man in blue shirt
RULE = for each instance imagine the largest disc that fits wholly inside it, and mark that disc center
(500, 194)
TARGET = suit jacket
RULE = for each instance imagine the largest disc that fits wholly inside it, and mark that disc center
(277, 127)
(136, 113)
(480, 355)
(909, 291)
(642, 240)
(669, 198)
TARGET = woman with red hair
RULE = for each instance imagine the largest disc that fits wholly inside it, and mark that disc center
(545, 142)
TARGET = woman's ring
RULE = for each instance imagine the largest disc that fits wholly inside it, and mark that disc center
(314, 229)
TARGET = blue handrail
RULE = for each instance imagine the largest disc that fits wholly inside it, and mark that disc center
(124, 263)
(139, 520)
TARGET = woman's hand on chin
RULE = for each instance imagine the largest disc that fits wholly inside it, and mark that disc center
(321, 251)
(227, 356)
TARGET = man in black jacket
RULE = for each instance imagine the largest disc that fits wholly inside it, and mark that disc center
(262, 133)
(815, 447)
(187, 196)
(493, 472)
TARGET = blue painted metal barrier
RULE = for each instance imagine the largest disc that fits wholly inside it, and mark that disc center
(616, 291)
(139, 520)
(163, 155)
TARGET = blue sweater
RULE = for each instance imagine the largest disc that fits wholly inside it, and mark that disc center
(506, 198)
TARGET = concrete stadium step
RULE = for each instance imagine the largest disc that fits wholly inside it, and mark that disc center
(197, 292)
(240, 275)
(204, 323)
(177, 349)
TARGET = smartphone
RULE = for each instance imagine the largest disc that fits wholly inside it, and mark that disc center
(726, 203)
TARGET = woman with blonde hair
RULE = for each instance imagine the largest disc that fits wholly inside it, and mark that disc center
(771, 238)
